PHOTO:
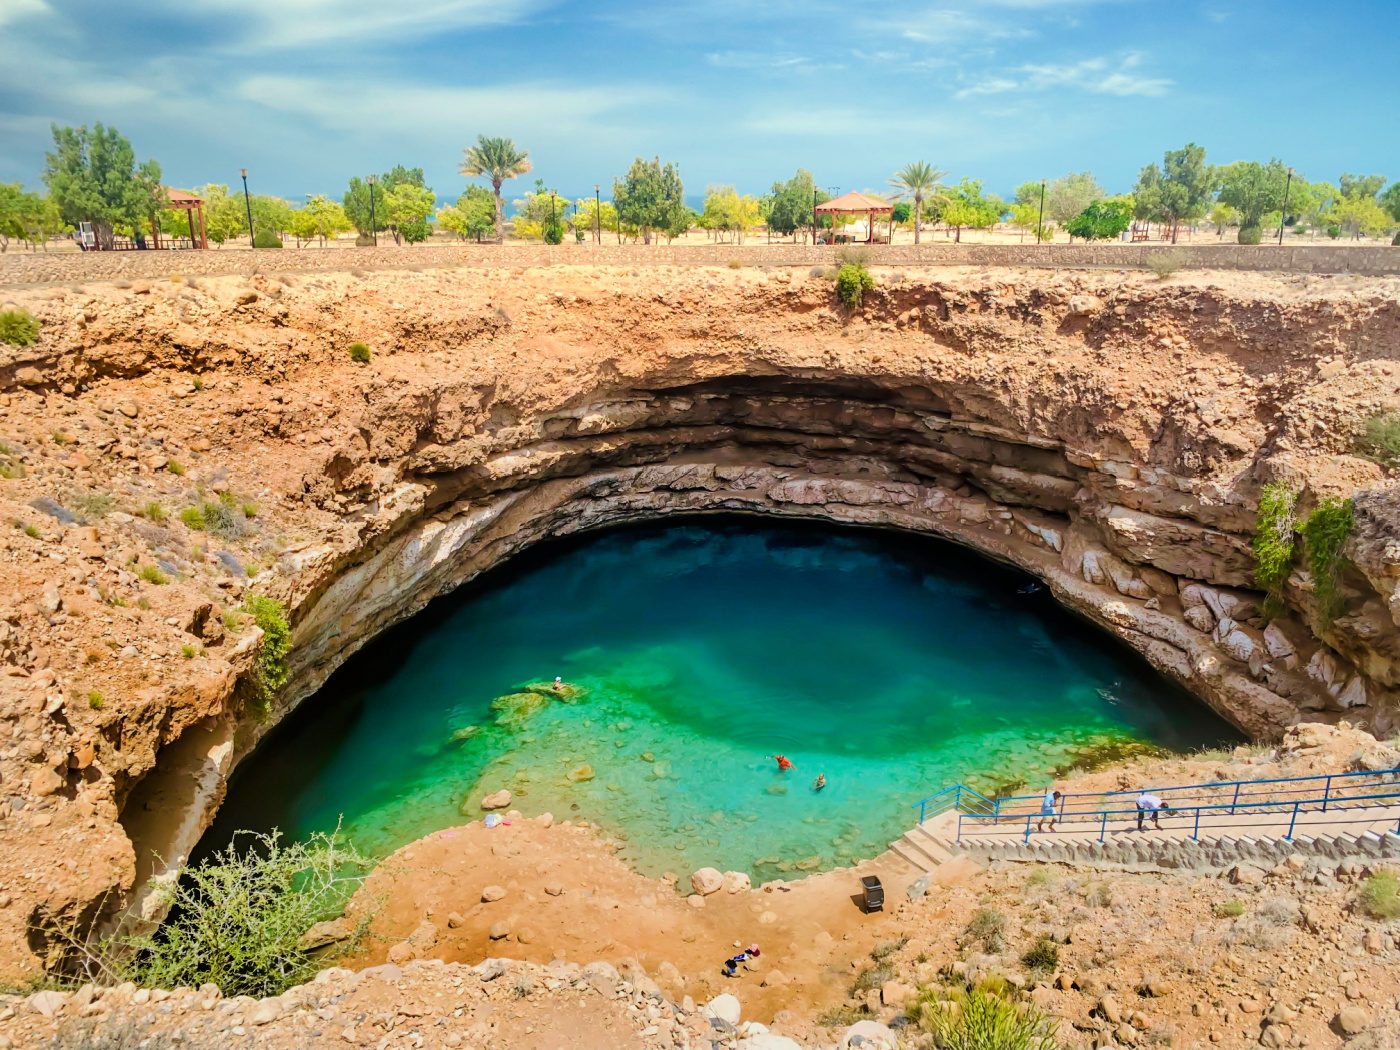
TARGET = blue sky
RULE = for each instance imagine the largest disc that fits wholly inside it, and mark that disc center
(306, 93)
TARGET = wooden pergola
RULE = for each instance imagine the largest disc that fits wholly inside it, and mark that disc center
(859, 204)
(179, 200)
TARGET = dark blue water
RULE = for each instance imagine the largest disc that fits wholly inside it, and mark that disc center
(891, 664)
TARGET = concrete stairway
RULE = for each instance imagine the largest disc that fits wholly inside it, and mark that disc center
(1224, 840)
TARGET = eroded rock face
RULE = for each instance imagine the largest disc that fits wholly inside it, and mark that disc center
(1107, 433)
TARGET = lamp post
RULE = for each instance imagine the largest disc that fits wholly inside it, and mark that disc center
(552, 222)
(247, 203)
(598, 213)
(814, 214)
(1040, 222)
(1284, 214)
(373, 228)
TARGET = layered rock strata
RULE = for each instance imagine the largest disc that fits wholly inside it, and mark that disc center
(1109, 434)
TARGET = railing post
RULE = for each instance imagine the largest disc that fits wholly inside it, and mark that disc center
(1196, 831)
(996, 812)
(921, 810)
(1028, 828)
(1293, 821)
(958, 840)
(1236, 799)
(1326, 793)
(1103, 825)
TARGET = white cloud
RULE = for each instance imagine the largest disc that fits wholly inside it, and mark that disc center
(1091, 75)
(13, 10)
(299, 23)
(755, 60)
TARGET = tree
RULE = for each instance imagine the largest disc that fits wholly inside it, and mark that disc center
(27, 216)
(1102, 220)
(726, 210)
(1028, 211)
(1253, 189)
(223, 215)
(539, 215)
(474, 214)
(918, 181)
(1178, 190)
(321, 218)
(967, 206)
(1390, 201)
(93, 177)
(357, 201)
(1223, 216)
(788, 206)
(496, 159)
(409, 207)
(1361, 186)
(1068, 196)
(652, 198)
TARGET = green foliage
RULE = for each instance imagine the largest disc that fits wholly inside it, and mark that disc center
(93, 177)
(885, 949)
(919, 182)
(1250, 234)
(981, 1019)
(356, 203)
(174, 467)
(270, 674)
(1380, 438)
(266, 239)
(1230, 909)
(27, 216)
(474, 214)
(1390, 200)
(968, 206)
(94, 699)
(153, 511)
(410, 204)
(1324, 534)
(18, 327)
(988, 925)
(496, 159)
(222, 518)
(1068, 196)
(1274, 543)
(1180, 189)
(238, 916)
(1380, 895)
(188, 652)
(193, 517)
(1044, 954)
(652, 198)
(872, 977)
(727, 211)
(594, 216)
(1254, 190)
(1103, 220)
(359, 353)
(152, 574)
(553, 233)
(538, 211)
(320, 217)
(841, 1016)
(788, 206)
(852, 282)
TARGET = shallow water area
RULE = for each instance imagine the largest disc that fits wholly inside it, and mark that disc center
(694, 653)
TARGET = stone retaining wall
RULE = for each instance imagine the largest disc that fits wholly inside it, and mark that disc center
(27, 268)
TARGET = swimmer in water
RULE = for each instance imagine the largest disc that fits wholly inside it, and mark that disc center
(784, 763)
(820, 782)
(558, 684)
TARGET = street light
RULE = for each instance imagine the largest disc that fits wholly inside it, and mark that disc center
(248, 203)
(1284, 214)
(552, 222)
(372, 231)
(1040, 222)
(598, 212)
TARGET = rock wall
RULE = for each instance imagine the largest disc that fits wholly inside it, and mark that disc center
(1108, 433)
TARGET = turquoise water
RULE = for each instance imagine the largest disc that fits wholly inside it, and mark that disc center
(891, 664)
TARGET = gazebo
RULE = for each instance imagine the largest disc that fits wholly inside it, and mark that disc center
(188, 203)
(858, 204)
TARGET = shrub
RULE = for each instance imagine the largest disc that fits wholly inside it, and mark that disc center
(92, 504)
(1380, 439)
(18, 327)
(143, 603)
(238, 916)
(250, 510)
(1044, 954)
(980, 1019)
(1268, 929)
(225, 518)
(1324, 534)
(94, 700)
(736, 264)
(1230, 909)
(988, 926)
(174, 468)
(553, 233)
(152, 574)
(189, 652)
(153, 511)
(359, 353)
(267, 239)
(1250, 234)
(885, 949)
(31, 530)
(270, 673)
(1164, 264)
(1101, 896)
(852, 282)
(1380, 895)
(193, 517)
(1274, 543)
(873, 977)
(841, 1016)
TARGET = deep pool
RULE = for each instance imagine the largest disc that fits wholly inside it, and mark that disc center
(893, 664)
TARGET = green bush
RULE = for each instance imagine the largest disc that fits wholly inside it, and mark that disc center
(1250, 234)
(987, 925)
(981, 1019)
(153, 511)
(1164, 264)
(873, 977)
(238, 916)
(151, 574)
(1324, 534)
(1044, 954)
(1380, 439)
(1274, 543)
(885, 949)
(94, 699)
(267, 239)
(1230, 909)
(18, 327)
(193, 517)
(1380, 895)
(269, 614)
(553, 233)
(852, 282)
(359, 353)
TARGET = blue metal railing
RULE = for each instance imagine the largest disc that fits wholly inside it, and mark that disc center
(1273, 799)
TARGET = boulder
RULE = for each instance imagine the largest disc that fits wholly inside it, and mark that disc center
(725, 1007)
(455, 921)
(1246, 875)
(45, 782)
(500, 930)
(496, 800)
(267, 1011)
(401, 953)
(425, 937)
(324, 933)
(492, 893)
(1352, 1020)
(895, 993)
(768, 1041)
(47, 1003)
(736, 882)
(707, 881)
(1110, 1009)
(869, 1035)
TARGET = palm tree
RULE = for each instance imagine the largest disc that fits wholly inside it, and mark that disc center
(496, 159)
(920, 181)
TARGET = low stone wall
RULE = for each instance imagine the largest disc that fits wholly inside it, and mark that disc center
(28, 268)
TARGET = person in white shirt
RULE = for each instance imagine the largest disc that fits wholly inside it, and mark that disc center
(1149, 803)
(1048, 808)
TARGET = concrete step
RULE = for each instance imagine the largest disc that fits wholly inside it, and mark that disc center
(909, 855)
(919, 845)
(929, 844)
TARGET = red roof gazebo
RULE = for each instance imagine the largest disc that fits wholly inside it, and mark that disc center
(857, 204)
(179, 200)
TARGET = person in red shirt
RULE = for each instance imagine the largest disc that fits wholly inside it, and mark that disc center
(784, 763)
